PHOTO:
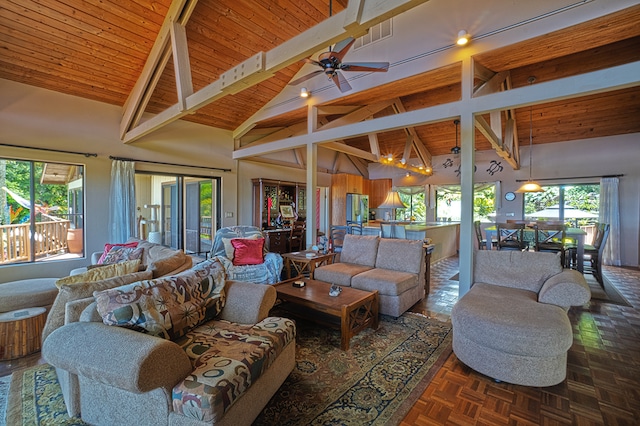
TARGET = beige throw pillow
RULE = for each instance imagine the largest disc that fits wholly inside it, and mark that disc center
(81, 290)
(102, 273)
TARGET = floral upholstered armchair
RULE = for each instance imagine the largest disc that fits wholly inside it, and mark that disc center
(242, 252)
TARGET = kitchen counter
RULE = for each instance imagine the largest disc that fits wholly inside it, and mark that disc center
(445, 236)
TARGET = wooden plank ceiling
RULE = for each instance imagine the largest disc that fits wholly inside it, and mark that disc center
(96, 50)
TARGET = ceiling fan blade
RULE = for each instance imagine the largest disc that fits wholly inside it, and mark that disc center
(341, 82)
(341, 48)
(305, 78)
(365, 66)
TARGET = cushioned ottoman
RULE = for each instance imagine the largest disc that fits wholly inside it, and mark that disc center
(505, 333)
(34, 292)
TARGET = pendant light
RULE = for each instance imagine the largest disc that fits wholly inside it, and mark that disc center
(456, 149)
(530, 185)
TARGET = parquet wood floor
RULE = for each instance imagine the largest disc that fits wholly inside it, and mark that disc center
(603, 379)
(603, 370)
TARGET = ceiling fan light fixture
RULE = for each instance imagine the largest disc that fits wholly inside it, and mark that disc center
(304, 93)
(463, 38)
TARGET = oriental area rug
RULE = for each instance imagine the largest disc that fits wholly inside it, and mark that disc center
(375, 382)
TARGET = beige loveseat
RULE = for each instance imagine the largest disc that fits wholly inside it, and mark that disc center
(211, 367)
(512, 325)
(394, 267)
(158, 259)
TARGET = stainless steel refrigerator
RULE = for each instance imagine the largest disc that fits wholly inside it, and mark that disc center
(357, 208)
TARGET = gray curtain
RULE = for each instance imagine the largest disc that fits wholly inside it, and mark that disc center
(122, 202)
(610, 213)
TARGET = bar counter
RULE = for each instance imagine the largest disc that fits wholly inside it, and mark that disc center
(445, 236)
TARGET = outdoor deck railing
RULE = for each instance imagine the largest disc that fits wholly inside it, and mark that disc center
(15, 240)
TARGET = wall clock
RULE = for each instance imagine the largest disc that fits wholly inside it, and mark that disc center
(509, 196)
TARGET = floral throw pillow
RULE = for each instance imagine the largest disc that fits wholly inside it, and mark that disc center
(122, 254)
(109, 246)
(166, 307)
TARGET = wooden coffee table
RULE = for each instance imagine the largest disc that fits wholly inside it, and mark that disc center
(351, 311)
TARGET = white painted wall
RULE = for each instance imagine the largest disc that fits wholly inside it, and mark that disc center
(33, 117)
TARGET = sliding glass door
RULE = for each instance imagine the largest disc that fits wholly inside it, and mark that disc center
(179, 211)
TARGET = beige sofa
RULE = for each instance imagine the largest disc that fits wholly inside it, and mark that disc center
(220, 371)
(394, 267)
(158, 259)
(512, 325)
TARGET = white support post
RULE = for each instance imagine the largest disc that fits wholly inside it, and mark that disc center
(467, 145)
(312, 173)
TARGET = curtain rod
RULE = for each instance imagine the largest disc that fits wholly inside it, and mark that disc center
(575, 177)
(86, 154)
(168, 164)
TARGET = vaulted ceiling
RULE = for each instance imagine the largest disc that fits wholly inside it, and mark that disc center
(98, 50)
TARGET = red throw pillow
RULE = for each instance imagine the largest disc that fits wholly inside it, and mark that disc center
(108, 247)
(247, 252)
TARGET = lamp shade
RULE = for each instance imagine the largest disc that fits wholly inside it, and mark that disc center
(392, 201)
(530, 186)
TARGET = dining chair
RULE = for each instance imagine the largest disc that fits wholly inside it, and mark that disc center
(571, 248)
(596, 254)
(511, 236)
(549, 237)
(386, 230)
(592, 252)
(297, 236)
(337, 234)
(398, 231)
(482, 242)
(354, 228)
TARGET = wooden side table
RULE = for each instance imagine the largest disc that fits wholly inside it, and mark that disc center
(20, 332)
(302, 264)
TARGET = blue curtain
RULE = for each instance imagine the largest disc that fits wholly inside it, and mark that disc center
(122, 205)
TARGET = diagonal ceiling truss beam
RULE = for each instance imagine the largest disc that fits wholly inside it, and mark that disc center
(419, 146)
(354, 20)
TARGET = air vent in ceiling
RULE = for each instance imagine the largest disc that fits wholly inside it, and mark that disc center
(377, 32)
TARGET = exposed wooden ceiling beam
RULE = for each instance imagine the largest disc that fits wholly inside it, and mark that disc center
(421, 149)
(357, 18)
(347, 149)
(299, 157)
(337, 109)
(594, 82)
(408, 144)
(178, 13)
(286, 132)
(360, 114)
(375, 145)
(484, 128)
(282, 163)
(361, 165)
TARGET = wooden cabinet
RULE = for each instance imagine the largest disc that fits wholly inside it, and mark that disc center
(378, 190)
(341, 185)
(276, 240)
(269, 195)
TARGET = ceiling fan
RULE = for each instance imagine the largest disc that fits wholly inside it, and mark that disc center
(331, 64)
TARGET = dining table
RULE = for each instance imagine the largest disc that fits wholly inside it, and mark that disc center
(577, 234)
